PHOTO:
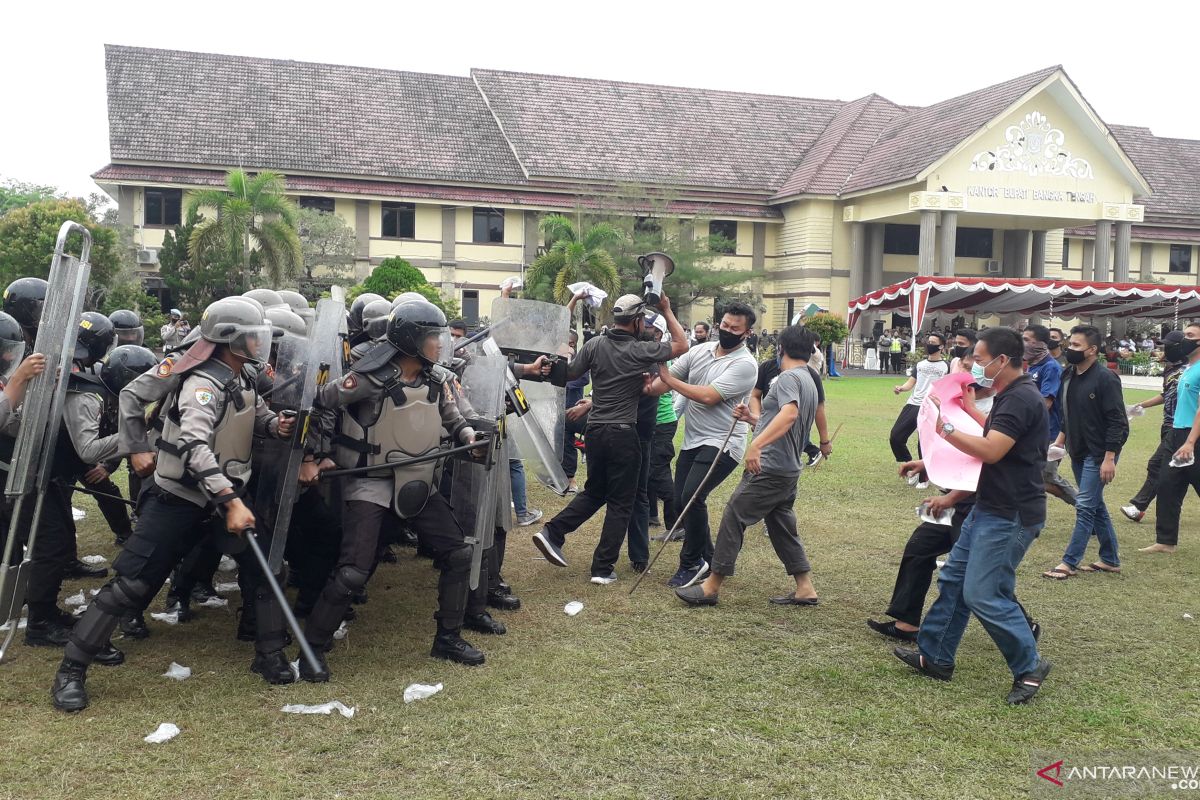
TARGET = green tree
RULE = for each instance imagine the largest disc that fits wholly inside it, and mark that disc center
(571, 257)
(325, 241)
(830, 327)
(28, 235)
(128, 292)
(194, 285)
(255, 226)
(18, 194)
(395, 276)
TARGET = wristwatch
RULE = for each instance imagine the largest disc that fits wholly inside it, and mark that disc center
(947, 429)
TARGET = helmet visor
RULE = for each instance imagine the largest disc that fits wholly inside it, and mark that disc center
(131, 336)
(253, 343)
(11, 355)
(436, 347)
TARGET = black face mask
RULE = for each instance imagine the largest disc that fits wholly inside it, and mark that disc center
(1181, 351)
(959, 351)
(1076, 356)
(729, 339)
(932, 348)
(1055, 345)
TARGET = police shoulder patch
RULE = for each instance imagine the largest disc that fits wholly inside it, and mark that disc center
(164, 368)
(204, 396)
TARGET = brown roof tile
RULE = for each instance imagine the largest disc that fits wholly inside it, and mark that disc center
(1170, 166)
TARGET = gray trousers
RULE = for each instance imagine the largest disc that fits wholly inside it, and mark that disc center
(768, 498)
(1052, 478)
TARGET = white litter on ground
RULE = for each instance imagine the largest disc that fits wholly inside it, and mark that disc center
(420, 691)
(572, 608)
(227, 564)
(94, 592)
(225, 588)
(77, 513)
(20, 624)
(79, 610)
(166, 732)
(178, 672)
(75, 600)
(1187, 616)
(341, 632)
(214, 602)
(94, 560)
(171, 618)
(324, 708)
(940, 564)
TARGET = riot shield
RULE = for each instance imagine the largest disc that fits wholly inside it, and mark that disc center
(476, 487)
(535, 327)
(41, 415)
(527, 434)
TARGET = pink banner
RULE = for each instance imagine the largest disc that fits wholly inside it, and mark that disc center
(946, 465)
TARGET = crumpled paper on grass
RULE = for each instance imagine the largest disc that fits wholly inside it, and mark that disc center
(77, 513)
(227, 564)
(214, 602)
(75, 600)
(572, 608)
(21, 623)
(226, 588)
(171, 619)
(95, 561)
(166, 732)
(341, 632)
(323, 708)
(178, 672)
(420, 691)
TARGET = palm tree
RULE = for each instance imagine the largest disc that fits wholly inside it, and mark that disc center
(253, 215)
(572, 258)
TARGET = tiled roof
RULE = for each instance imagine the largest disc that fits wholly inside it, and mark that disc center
(198, 108)
(1170, 166)
(597, 130)
(522, 196)
(1149, 233)
(917, 139)
(832, 159)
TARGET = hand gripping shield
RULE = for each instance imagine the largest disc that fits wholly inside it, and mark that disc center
(41, 419)
(477, 483)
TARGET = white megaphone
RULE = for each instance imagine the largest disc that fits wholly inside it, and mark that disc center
(657, 266)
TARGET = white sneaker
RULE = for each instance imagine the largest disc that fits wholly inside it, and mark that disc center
(923, 485)
(605, 580)
(529, 517)
(1134, 513)
(914, 479)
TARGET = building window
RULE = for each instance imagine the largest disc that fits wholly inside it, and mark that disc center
(324, 204)
(791, 311)
(1181, 258)
(470, 306)
(972, 243)
(901, 240)
(489, 226)
(399, 221)
(722, 235)
(1066, 256)
(648, 226)
(163, 207)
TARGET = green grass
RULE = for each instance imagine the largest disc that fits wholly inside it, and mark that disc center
(641, 697)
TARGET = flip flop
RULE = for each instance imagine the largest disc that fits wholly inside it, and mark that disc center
(1100, 566)
(1057, 574)
(792, 600)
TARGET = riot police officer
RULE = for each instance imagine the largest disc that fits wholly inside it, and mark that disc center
(128, 327)
(23, 300)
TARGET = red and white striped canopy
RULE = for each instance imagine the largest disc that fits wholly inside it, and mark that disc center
(1056, 298)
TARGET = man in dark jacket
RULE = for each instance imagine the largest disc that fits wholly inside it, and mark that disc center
(1094, 431)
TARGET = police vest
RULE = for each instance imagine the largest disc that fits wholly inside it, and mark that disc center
(232, 438)
(404, 423)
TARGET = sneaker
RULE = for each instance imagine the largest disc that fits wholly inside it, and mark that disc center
(817, 459)
(1026, 686)
(605, 580)
(544, 540)
(923, 485)
(639, 566)
(1133, 513)
(923, 665)
(701, 574)
(685, 576)
(528, 518)
(663, 537)
(890, 630)
(572, 487)
(914, 479)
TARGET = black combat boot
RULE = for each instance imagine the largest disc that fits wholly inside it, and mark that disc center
(109, 656)
(321, 675)
(503, 601)
(77, 569)
(133, 625)
(452, 647)
(69, 692)
(273, 667)
(484, 623)
(180, 606)
(49, 629)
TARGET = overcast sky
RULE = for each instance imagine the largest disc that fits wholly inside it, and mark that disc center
(1133, 62)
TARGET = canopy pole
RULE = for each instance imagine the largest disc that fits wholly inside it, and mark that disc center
(1176, 325)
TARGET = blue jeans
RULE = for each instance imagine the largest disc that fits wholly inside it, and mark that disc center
(1091, 516)
(516, 476)
(980, 578)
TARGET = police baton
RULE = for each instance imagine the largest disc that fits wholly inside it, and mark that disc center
(252, 540)
(436, 455)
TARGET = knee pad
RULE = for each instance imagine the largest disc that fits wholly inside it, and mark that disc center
(458, 559)
(350, 580)
(125, 594)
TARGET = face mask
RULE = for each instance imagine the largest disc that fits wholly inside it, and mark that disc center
(728, 339)
(979, 373)
(959, 351)
(932, 348)
(1185, 349)
(1173, 353)
(1055, 344)
(1076, 356)
(1036, 351)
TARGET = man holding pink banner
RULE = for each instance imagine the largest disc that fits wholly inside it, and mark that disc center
(946, 465)
(1010, 509)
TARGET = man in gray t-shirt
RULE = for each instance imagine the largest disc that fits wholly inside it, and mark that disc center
(768, 488)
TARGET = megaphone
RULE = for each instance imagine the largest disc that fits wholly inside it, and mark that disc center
(657, 267)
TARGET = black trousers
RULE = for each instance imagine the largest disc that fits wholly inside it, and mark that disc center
(639, 518)
(115, 512)
(917, 564)
(661, 485)
(1154, 467)
(314, 541)
(897, 362)
(1173, 485)
(690, 471)
(614, 458)
(570, 456)
(52, 550)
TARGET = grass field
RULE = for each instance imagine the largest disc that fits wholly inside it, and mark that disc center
(642, 697)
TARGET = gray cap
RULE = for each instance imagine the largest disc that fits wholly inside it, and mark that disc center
(628, 305)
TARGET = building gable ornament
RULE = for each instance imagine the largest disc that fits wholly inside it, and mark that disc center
(1035, 148)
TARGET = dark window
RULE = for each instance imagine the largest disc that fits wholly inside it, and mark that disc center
(163, 207)
(723, 235)
(791, 311)
(973, 243)
(646, 225)
(399, 221)
(319, 203)
(1181, 258)
(901, 240)
(470, 306)
(489, 226)
(1066, 258)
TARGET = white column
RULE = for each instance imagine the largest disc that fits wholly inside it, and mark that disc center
(1103, 248)
(946, 243)
(1121, 252)
(858, 263)
(925, 251)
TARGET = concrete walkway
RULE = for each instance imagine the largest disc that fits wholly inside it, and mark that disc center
(1142, 382)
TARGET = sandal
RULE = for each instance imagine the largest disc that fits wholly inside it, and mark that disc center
(1100, 566)
(1058, 574)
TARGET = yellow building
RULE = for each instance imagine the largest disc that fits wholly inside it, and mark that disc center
(827, 199)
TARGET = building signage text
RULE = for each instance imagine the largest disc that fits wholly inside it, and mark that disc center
(1021, 193)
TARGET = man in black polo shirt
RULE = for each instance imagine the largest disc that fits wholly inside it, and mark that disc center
(618, 360)
(1010, 509)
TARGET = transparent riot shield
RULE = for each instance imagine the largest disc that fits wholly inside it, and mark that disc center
(41, 418)
(535, 327)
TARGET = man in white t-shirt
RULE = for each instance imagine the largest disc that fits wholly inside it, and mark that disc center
(713, 377)
(923, 375)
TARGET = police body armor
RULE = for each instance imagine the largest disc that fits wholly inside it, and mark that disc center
(232, 440)
(405, 423)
